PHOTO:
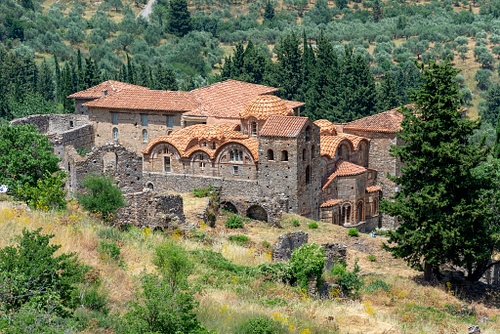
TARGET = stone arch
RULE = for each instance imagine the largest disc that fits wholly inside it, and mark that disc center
(363, 153)
(200, 161)
(223, 153)
(257, 212)
(150, 186)
(228, 206)
(360, 214)
(345, 213)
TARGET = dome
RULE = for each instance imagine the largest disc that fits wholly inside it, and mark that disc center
(264, 106)
(326, 127)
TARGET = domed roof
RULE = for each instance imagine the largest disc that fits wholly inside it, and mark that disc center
(264, 106)
(326, 127)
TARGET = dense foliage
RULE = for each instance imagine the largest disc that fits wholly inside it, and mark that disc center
(101, 196)
(440, 204)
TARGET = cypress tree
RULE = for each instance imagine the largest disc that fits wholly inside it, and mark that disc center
(45, 83)
(179, 18)
(387, 97)
(496, 148)
(289, 66)
(442, 219)
(268, 11)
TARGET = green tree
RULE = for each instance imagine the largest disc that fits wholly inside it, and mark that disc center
(179, 18)
(307, 262)
(490, 109)
(438, 202)
(167, 305)
(268, 11)
(289, 66)
(496, 148)
(27, 156)
(31, 273)
(49, 192)
(45, 82)
(101, 196)
(387, 94)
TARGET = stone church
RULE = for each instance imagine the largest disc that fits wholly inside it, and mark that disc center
(238, 136)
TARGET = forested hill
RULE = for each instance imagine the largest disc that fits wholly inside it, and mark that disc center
(345, 59)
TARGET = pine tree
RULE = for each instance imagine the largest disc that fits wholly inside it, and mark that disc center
(387, 97)
(45, 83)
(496, 148)
(268, 11)
(57, 77)
(164, 78)
(238, 61)
(442, 219)
(179, 18)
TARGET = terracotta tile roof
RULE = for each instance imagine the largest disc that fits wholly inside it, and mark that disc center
(344, 168)
(355, 140)
(330, 202)
(111, 87)
(207, 150)
(283, 126)
(373, 189)
(385, 122)
(293, 104)
(155, 100)
(329, 145)
(227, 99)
(264, 106)
(326, 127)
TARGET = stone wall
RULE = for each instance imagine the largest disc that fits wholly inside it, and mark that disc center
(282, 250)
(492, 275)
(334, 253)
(149, 209)
(113, 160)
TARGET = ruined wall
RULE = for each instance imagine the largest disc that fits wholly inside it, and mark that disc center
(53, 123)
(282, 250)
(149, 209)
(113, 160)
(334, 253)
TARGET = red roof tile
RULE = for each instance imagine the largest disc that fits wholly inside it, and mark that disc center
(264, 106)
(373, 189)
(283, 126)
(329, 145)
(326, 127)
(385, 122)
(151, 100)
(330, 202)
(344, 168)
(110, 87)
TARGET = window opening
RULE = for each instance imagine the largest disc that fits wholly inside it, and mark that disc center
(166, 164)
(284, 155)
(114, 118)
(308, 175)
(254, 128)
(170, 121)
(115, 133)
(308, 133)
(270, 155)
(144, 136)
(144, 120)
(304, 154)
(235, 170)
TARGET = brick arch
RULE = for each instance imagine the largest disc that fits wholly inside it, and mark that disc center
(224, 150)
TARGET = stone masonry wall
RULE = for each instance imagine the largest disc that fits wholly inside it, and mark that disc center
(334, 253)
(282, 250)
(149, 209)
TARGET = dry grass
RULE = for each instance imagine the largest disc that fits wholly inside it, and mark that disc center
(225, 301)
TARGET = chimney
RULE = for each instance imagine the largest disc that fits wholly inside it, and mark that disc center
(104, 92)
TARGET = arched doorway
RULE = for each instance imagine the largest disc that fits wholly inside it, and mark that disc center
(228, 206)
(257, 212)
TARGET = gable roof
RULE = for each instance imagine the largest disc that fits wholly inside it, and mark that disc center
(283, 126)
(344, 168)
(386, 122)
(109, 87)
(157, 100)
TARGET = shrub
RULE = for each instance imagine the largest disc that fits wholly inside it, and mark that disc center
(313, 225)
(109, 250)
(266, 244)
(203, 192)
(234, 221)
(260, 325)
(239, 239)
(353, 232)
(296, 222)
(48, 193)
(101, 196)
(276, 272)
(110, 233)
(372, 258)
(307, 262)
(30, 273)
(349, 281)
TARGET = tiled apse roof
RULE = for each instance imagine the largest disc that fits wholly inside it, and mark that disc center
(344, 168)
(264, 106)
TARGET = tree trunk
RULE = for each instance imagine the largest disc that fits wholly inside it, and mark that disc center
(428, 272)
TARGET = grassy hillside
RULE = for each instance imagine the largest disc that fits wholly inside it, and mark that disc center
(229, 291)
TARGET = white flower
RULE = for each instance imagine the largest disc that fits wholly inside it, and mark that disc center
(4, 188)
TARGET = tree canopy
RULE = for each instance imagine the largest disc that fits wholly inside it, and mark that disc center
(440, 205)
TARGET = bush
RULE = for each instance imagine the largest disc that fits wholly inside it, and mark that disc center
(109, 251)
(349, 281)
(48, 193)
(372, 258)
(377, 285)
(296, 222)
(313, 225)
(101, 196)
(353, 232)
(234, 221)
(30, 273)
(307, 262)
(260, 325)
(276, 272)
(201, 192)
(239, 239)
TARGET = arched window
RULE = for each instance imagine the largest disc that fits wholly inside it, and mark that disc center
(284, 155)
(115, 133)
(359, 211)
(254, 128)
(270, 155)
(308, 133)
(304, 154)
(308, 175)
(236, 155)
(144, 136)
(375, 207)
(345, 214)
(312, 151)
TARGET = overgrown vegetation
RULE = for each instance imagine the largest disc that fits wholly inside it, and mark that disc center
(101, 196)
(235, 221)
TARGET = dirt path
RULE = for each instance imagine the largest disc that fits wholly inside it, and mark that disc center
(147, 10)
